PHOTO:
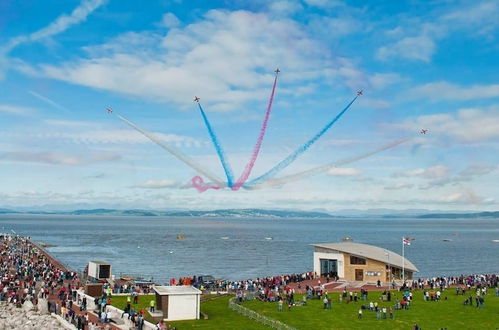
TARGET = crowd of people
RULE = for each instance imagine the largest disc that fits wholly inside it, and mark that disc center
(28, 275)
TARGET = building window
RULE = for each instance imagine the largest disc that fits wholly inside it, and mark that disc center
(371, 273)
(357, 261)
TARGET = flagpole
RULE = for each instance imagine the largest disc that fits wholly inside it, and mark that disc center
(403, 262)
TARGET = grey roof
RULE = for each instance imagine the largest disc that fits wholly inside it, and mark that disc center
(176, 290)
(100, 262)
(370, 252)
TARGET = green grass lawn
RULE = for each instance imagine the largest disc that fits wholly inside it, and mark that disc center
(120, 302)
(450, 314)
(219, 317)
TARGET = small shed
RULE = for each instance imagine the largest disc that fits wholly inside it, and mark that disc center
(177, 302)
(99, 270)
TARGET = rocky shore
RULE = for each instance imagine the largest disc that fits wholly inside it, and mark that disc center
(28, 317)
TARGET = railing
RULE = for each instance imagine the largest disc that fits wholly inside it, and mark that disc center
(274, 324)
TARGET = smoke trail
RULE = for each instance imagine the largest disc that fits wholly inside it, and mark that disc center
(292, 157)
(198, 183)
(317, 170)
(249, 167)
(179, 155)
(218, 147)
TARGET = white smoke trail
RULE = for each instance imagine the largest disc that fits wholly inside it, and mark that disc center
(324, 168)
(178, 154)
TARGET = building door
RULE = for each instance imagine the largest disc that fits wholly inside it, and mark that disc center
(329, 266)
(359, 275)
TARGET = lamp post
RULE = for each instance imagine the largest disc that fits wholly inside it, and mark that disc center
(389, 268)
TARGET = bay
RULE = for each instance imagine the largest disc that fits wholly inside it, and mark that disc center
(239, 248)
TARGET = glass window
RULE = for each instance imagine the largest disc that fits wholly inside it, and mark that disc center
(357, 260)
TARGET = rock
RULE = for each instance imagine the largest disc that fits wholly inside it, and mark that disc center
(28, 306)
(26, 318)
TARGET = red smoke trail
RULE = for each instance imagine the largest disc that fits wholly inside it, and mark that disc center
(198, 183)
(249, 167)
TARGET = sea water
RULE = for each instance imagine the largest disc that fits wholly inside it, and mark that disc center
(241, 248)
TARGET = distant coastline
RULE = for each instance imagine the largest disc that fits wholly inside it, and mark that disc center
(259, 213)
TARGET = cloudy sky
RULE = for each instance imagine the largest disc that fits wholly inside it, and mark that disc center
(421, 64)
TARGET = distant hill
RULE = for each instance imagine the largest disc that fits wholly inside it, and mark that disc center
(232, 213)
(252, 213)
(262, 213)
(5, 211)
(461, 215)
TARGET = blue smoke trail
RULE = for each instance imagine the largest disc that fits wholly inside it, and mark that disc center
(218, 148)
(292, 157)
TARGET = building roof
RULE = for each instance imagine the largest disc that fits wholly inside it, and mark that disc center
(370, 252)
(100, 263)
(175, 290)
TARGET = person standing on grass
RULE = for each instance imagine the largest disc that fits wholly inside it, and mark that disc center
(391, 313)
(279, 304)
(384, 312)
(359, 315)
(152, 304)
(325, 302)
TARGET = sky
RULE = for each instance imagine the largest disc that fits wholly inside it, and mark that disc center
(421, 65)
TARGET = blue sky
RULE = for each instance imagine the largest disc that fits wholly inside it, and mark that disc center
(421, 64)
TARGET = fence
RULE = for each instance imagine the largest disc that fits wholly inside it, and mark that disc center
(274, 324)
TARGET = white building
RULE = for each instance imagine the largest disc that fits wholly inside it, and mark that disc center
(361, 262)
(99, 270)
(177, 302)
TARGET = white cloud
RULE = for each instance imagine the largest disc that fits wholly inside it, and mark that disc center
(324, 3)
(61, 24)
(16, 110)
(417, 39)
(419, 48)
(335, 27)
(468, 174)
(398, 186)
(344, 171)
(484, 15)
(227, 59)
(466, 197)
(443, 90)
(118, 136)
(475, 170)
(169, 20)
(431, 173)
(55, 158)
(157, 184)
(285, 7)
(381, 80)
(465, 125)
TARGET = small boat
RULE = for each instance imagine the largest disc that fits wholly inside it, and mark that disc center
(447, 240)
(180, 237)
(224, 237)
(269, 238)
(495, 240)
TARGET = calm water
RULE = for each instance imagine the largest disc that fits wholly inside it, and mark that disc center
(148, 245)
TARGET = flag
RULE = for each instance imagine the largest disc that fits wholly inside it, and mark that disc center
(406, 240)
